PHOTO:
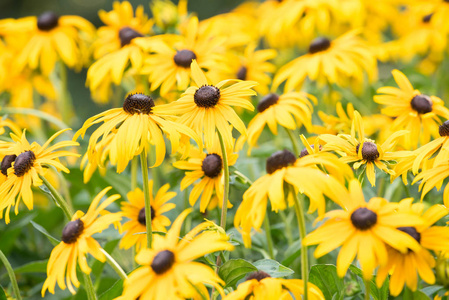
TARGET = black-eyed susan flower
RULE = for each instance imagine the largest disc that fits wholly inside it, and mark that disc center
(208, 168)
(357, 149)
(341, 123)
(260, 285)
(24, 163)
(433, 176)
(206, 108)
(290, 110)
(418, 113)
(283, 167)
(135, 126)
(340, 61)
(77, 242)
(404, 268)
(50, 38)
(97, 158)
(134, 210)
(363, 230)
(168, 64)
(167, 15)
(168, 271)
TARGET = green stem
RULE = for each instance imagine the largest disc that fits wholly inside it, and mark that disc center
(266, 224)
(60, 202)
(89, 287)
(224, 208)
(114, 265)
(146, 191)
(11, 275)
(66, 101)
(34, 112)
(294, 145)
(134, 167)
(302, 234)
(367, 290)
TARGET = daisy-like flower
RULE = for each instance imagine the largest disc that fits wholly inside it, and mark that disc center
(139, 126)
(283, 167)
(362, 151)
(134, 210)
(341, 123)
(168, 66)
(206, 108)
(50, 38)
(168, 15)
(77, 242)
(260, 285)
(208, 168)
(403, 268)
(363, 230)
(168, 271)
(340, 61)
(433, 176)
(413, 111)
(23, 164)
(290, 110)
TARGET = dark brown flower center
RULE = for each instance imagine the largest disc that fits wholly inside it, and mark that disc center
(411, 231)
(319, 44)
(427, 18)
(212, 165)
(279, 160)
(138, 104)
(7, 162)
(258, 275)
(47, 21)
(23, 163)
(305, 152)
(422, 104)
(363, 218)
(127, 34)
(183, 58)
(369, 151)
(72, 231)
(141, 218)
(267, 101)
(163, 261)
(443, 129)
(206, 96)
(241, 74)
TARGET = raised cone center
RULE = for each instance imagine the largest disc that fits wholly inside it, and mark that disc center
(163, 261)
(206, 96)
(23, 163)
(212, 165)
(72, 231)
(47, 21)
(138, 104)
(183, 58)
(319, 44)
(363, 218)
(279, 160)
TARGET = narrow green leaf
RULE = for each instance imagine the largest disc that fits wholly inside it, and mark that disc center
(432, 290)
(42, 230)
(326, 279)
(378, 294)
(33, 267)
(235, 269)
(292, 252)
(2, 294)
(272, 267)
(115, 291)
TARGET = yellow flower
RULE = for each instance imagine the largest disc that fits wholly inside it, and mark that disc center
(134, 210)
(283, 167)
(413, 111)
(403, 268)
(340, 61)
(433, 176)
(168, 66)
(208, 168)
(139, 126)
(206, 108)
(360, 150)
(290, 110)
(336, 124)
(260, 286)
(77, 241)
(168, 15)
(168, 271)
(363, 230)
(50, 38)
(96, 158)
(24, 163)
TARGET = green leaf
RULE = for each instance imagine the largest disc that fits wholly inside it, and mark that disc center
(432, 290)
(378, 294)
(235, 269)
(2, 294)
(33, 267)
(42, 230)
(326, 279)
(273, 268)
(292, 252)
(115, 291)
(419, 295)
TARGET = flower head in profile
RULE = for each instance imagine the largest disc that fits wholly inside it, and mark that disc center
(208, 168)
(135, 127)
(134, 210)
(260, 285)
(207, 108)
(357, 149)
(77, 242)
(404, 268)
(364, 230)
(413, 111)
(24, 164)
(50, 38)
(168, 271)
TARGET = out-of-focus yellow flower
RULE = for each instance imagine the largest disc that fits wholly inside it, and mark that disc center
(167, 15)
